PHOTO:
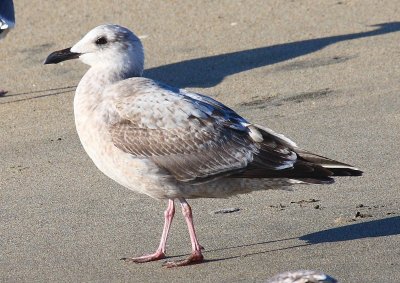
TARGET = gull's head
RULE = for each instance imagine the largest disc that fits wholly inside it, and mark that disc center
(106, 46)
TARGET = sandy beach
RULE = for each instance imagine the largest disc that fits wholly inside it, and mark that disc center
(325, 74)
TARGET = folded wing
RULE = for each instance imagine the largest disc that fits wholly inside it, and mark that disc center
(193, 137)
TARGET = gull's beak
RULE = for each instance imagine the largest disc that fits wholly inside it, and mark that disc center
(61, 55)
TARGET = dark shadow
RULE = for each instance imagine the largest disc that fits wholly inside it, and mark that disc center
(242, 255)
(210, 71)
(72, 87)
(256, 253)
(241, 246)
(37, 94)
(375, 228)
(249, 245)
(370, 229)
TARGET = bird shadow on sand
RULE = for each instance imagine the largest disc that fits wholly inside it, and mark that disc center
(370, 229)
(10, 98)
(210, 71)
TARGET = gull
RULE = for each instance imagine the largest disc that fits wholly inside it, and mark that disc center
(173, 144)
(7, 18)
(7, 22)
(302, 276)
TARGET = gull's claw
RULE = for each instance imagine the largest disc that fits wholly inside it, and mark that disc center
(145, 258)
(194, 258)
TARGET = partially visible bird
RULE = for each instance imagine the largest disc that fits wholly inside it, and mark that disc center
(7, 22)
(302, 276)
(170, 143)
(7, 17)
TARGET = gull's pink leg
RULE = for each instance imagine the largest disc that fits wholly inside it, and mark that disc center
(160, 252)
(196, 255)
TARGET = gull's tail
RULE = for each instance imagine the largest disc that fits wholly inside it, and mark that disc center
(304, 166)
(336, 167)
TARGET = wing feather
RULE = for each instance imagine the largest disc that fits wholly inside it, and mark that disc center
(191, 136)
(196, 138)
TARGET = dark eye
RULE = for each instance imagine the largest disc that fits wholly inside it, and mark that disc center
(101, 40)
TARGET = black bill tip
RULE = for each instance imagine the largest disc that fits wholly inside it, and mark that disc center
(61, 55)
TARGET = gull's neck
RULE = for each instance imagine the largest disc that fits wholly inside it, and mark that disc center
(97, 78)
(89, 93)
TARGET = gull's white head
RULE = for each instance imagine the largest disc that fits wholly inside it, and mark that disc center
(106, 46)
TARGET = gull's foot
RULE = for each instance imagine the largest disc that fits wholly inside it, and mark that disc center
(3, 92)
(194, 258)
(145, 258)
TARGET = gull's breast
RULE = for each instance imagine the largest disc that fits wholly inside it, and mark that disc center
(138, 174)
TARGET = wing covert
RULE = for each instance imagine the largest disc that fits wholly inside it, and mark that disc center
(192, 136)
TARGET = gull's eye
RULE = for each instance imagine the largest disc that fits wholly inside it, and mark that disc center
(101, 40)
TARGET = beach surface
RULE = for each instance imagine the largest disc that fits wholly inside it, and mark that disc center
(324, 74)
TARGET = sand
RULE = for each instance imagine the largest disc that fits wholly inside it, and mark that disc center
(325, 74)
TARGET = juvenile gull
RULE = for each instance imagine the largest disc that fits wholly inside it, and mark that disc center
(170, 143)
(7, 22)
